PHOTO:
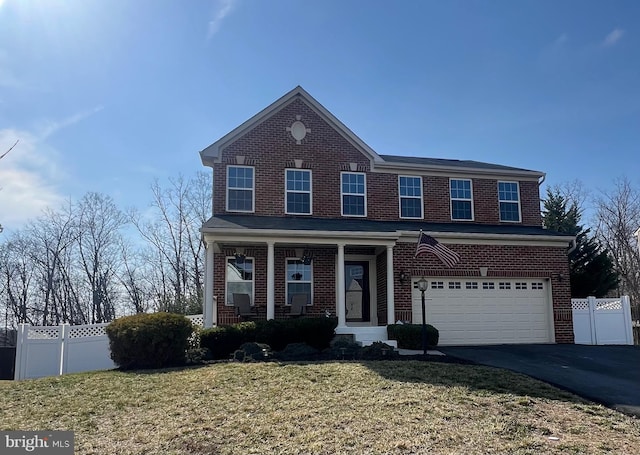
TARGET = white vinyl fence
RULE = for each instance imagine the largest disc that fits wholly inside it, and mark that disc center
(602, 321)
(56, 350)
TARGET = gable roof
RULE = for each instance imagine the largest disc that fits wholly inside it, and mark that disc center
(211, 154)
(453, 165)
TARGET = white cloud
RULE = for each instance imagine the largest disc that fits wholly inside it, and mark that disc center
(561, 40)
(7, 77)
(30, 175)
(51, 127)
(221, 10)
(28, 178)
(613, 37)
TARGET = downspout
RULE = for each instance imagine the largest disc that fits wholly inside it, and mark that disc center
(544, 177)
(573, 244)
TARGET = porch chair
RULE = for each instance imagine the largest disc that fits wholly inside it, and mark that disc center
(242, 304)
(298, 305)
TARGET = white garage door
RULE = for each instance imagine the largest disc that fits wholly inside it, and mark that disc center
(485, 310)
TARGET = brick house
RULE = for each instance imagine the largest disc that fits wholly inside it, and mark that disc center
(305, 211)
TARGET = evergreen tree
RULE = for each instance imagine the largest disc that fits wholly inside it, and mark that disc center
(591, 268)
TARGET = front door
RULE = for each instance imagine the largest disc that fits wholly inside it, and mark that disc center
(357, 298)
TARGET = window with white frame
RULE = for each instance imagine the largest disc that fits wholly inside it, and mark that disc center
(509, 201)
(240, 278)
(354, 194)
(299, 280)
(298, 191)
(461, 199)
(410, 191)
(240, 188)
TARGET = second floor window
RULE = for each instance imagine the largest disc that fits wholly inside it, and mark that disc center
(410, 189)
(354, 194)
(298, 192)
(509, 201)
(461, 199)
(240, 189)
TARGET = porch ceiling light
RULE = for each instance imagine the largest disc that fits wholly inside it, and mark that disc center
(422, 284)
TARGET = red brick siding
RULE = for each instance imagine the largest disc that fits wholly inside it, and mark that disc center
(271, 149)
(324, 289)
(502, 261)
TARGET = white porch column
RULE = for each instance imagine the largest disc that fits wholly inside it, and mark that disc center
(209, 309)
(391, 309)
(342, 312)
(271, 282)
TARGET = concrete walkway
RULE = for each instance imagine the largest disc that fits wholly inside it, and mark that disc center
(605, 374)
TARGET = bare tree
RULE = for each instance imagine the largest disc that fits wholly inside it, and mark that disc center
(618, 218)
(53, 236)
(172, 232)
(134, 277)
(98, 232)
(18, 280)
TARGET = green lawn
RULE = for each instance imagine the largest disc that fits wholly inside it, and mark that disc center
(400, 407)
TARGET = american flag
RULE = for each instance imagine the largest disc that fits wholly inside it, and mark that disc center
(427, 244)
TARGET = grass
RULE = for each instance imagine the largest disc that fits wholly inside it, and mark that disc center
(402, 407)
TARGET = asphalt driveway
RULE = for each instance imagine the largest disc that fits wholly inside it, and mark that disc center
(605, 374)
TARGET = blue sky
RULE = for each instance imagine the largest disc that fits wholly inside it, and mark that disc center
(106, 95)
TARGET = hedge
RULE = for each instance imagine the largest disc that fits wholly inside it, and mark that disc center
(409, 336)
(154, 340)
(223, 340)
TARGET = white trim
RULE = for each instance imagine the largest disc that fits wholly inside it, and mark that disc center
(253, 189)
(373, 286)
(271, 281)
(358, 238)
(512, 202)
(353, 194)
(286, 280)
(253, 281)
(451, 199)
(310, 192)
(210, 310)
(421, 217)
(340, 288)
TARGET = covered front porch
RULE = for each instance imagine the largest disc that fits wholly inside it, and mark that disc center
(348, 275)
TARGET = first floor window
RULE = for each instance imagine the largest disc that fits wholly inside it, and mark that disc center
(509, 201)
(240, 187)
(354, 194)
(299, 281)
(410, 189)
(461, 199)
(239, 278)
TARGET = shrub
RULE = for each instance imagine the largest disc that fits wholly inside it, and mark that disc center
(250, 352)
(155, 340)
(344, 348)
(409, 336)
(316, 332)
(379, 351)
(298, 352)
(222, 341)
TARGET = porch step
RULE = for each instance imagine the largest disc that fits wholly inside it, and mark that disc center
(367, 335)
